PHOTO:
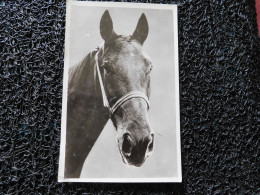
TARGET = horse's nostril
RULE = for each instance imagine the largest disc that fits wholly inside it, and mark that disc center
(150, 145)
(127, 144)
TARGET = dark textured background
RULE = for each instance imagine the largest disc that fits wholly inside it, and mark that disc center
(219, 95)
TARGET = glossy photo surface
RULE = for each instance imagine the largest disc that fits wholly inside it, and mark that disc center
(120, 117)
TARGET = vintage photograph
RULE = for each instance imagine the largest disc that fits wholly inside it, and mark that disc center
(120, 109)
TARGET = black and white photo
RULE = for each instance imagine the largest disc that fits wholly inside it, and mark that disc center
(120, 112)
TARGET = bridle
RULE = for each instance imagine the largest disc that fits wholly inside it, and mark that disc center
(121, 100)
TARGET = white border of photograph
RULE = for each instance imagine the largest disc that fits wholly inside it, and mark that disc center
(172, 7)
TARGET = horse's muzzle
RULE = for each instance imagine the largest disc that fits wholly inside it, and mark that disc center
(135, 152)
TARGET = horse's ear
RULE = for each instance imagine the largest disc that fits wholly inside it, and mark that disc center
(142, 29)
(106, 26)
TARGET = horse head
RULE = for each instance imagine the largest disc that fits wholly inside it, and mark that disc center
(126, 67)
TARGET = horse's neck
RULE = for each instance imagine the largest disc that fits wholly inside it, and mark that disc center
(81, 77)
(83, 88)
(86, 115)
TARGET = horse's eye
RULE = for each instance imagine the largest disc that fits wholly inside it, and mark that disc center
(151, 67)
(105, 65)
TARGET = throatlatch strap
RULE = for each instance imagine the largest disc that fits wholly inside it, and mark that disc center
(104, 96)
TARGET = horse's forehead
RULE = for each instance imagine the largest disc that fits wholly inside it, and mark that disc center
(124, 47)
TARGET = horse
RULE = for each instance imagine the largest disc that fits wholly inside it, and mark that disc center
(112, 82)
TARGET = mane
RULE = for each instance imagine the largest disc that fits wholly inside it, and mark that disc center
(82, 75)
